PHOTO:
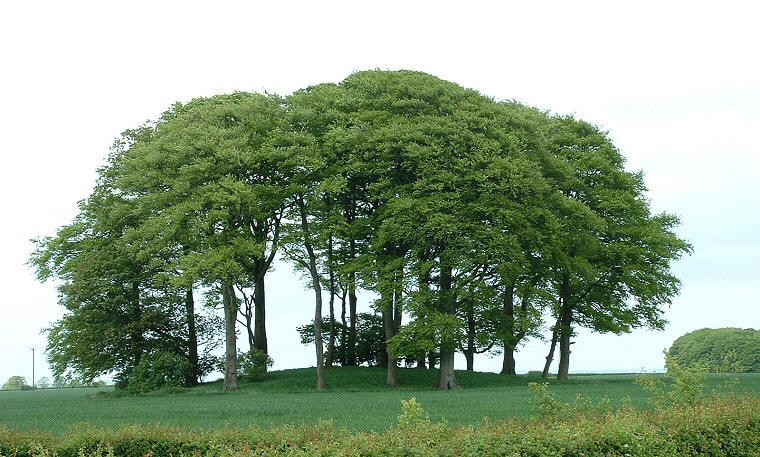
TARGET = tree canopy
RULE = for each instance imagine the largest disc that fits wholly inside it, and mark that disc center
(719, 350)
(15, 383)
(469, 218)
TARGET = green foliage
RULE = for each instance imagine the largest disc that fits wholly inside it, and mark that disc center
(719, 350)
(370, 339)
(685, 385)
(253, 364)
(413, 416)
(158, 371)
(15, 383)
(472, 217)
(550, 408)
(545, 401)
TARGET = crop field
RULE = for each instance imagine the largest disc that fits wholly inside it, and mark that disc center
(356, 399)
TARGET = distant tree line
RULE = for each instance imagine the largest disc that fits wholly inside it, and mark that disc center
(469, 219)
(17, 382)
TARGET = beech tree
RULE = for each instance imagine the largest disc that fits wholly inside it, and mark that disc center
(212, 173)
(611, 260)
(116, 309)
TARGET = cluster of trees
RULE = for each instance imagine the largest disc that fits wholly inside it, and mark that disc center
(471, 219)
(719, 350)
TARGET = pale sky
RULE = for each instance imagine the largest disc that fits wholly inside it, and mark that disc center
(676, 84)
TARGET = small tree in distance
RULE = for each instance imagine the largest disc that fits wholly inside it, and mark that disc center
(15, 383)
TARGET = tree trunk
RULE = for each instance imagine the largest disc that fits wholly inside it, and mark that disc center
(230, 346)
(317, 286)
(259, 309)
(432, 359)
(469, 356)
(331, 342)
(331, 268)
(469, 353)
(318, 345)
(351, 350)
(387, 313)
(391, 299)
(565, 330)
(508, 365)
(192, 339)
(446, 378)
(248, 316)
(343, 332)
(552, 348)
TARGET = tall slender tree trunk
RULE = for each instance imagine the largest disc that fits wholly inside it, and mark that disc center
(331, 268)
(469, 353)
(552, 349)
(318, 344)
(343, 332)
(317, 286)
(391, 297)
(259, 308)
(192, 339)
(248, 315)
(565, 329)
(230, 337)
(331, 341)
(352, 309)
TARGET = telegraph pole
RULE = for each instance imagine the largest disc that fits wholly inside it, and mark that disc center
(33, 368)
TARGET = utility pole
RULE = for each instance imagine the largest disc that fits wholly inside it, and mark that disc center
(33, 368)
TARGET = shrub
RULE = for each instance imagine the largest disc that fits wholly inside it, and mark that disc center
(686, 385)
(157, 371)
(412, 415)
(254, 363)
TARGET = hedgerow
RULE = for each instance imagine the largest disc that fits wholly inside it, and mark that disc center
(729, 427)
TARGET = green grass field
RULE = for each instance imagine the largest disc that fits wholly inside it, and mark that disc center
(356, 399)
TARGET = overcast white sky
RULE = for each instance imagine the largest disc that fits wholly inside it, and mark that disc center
(677, 85)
